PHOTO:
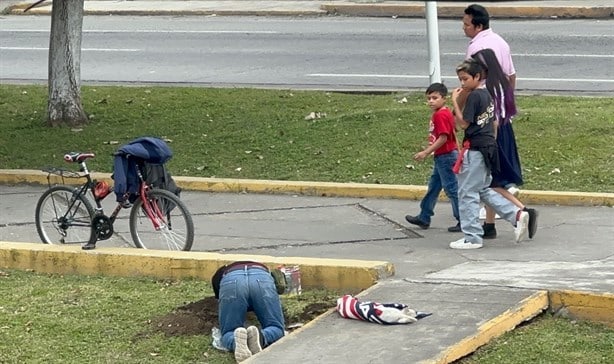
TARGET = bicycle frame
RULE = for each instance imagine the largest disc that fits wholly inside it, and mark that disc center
(75, 209)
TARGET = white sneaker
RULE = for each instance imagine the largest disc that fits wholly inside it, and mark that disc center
(514, 190)
(521, 231)
(483, 214)
(253, 340)
(463, 244)
(241, 349)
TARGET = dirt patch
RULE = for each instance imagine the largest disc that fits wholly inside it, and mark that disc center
(197, 318)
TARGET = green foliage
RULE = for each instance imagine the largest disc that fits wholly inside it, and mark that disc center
(47, 318)
(550, 340)
(564, 142)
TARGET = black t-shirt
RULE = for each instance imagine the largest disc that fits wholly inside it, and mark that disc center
(479, 112)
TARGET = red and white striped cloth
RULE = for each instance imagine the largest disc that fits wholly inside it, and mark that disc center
(380, 313)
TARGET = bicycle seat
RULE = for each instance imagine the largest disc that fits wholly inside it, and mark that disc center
(76, 157)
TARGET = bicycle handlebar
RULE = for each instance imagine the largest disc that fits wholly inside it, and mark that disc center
(76, 157)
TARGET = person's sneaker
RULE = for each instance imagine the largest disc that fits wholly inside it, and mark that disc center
(532, 222)
(490, 232)
(513, 190)
(88, 246)
(522, 226)
(455, 229)
(463, 244)
(254, 342)
(241, 349)
(416, 221)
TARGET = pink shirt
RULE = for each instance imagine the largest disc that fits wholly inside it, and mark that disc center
(489, 39)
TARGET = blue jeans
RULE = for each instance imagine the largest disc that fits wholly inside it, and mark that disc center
(442, 178)
(473, 186)
(249, 289)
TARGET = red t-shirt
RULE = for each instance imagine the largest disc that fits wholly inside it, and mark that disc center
(442, 122)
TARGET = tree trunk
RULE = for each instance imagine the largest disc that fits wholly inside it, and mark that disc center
(64, 106)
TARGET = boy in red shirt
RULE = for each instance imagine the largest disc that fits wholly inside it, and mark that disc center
(442, 143)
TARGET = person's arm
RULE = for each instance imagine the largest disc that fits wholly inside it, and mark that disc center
(441, 140)
(458, 111)
(512, 81)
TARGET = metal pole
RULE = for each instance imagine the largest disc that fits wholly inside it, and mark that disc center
(432, 33)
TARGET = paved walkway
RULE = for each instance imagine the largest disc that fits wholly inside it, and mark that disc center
(603, 9)
(473, 295)
(573, 249)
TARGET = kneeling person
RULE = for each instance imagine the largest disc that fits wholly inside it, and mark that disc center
(241, 287)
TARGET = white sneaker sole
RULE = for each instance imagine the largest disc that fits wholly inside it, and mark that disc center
(521, 231)
(462, 245)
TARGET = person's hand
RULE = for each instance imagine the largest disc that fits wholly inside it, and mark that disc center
(459, 98)
(456, 93)
(420, 156)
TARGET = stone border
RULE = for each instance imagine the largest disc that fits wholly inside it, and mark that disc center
(71, 259)
(332, 189)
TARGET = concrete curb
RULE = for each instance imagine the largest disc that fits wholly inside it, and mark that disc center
(342, 274)
(404, 192)
(344, 8)
(507, 321)
(597, 307)
(453, 11)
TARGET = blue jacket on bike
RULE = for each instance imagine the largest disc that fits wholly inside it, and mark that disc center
(144, 149)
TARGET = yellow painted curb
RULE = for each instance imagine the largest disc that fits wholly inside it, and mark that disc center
(331, 189)
(343, 274)
(507, 321)
(456, 11)
(597, 307)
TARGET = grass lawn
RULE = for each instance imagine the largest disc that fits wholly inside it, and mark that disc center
(564, 142)
(48, 318)
(547, 340)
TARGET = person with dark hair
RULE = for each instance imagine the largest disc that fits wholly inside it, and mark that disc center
(476, 25)
(241, 287)
(443, 146)
(478, 159)
(509, 172)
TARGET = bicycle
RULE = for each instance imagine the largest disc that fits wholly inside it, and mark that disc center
(65, 215)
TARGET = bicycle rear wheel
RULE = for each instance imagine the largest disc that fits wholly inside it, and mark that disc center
(64, 217)
(175, 226)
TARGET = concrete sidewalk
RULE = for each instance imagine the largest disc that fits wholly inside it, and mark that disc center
(474, 295)
(446, 9)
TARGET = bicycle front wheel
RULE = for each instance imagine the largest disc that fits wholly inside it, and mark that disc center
(64, 217)
(166, 225)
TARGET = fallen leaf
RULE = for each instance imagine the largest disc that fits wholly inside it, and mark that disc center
(403, 100)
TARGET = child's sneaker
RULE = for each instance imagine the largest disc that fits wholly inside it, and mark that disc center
(521, 230)
(463, 244)
(515, 191)
(532, 222)
(416, 221)
(241, 349)
(490, 232)
(455, 229)
(254, 343)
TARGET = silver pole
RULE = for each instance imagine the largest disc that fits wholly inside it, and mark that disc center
(432, 33)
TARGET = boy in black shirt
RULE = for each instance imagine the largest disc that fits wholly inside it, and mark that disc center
(477, 159)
